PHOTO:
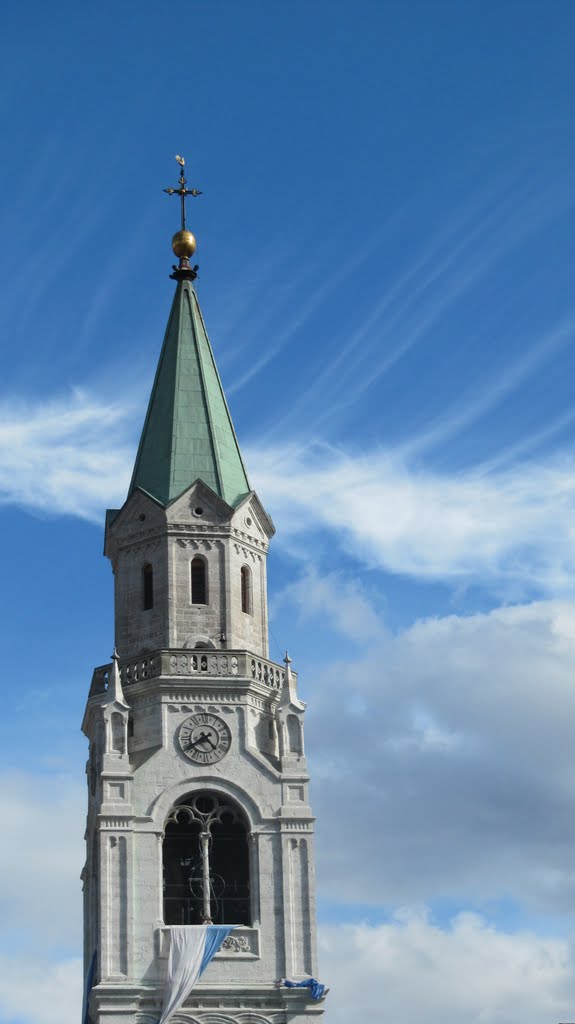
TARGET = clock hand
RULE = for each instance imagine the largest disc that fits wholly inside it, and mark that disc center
(204, 736)
(201, 739)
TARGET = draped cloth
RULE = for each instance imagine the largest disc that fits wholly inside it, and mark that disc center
(191, 949)
(316, 988)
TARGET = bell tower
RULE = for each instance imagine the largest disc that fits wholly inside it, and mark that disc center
(198, 808)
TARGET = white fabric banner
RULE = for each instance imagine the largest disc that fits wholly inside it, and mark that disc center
(187, 945)
(192, 947)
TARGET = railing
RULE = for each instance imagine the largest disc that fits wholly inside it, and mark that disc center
(186, 909)
(209, 664)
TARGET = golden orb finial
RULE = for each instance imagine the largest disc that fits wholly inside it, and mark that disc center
(183, 244)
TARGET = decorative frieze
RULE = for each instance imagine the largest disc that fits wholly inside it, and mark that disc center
(247, 553)
(235, 944)
(242, 944)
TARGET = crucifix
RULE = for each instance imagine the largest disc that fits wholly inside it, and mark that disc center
(182, 191)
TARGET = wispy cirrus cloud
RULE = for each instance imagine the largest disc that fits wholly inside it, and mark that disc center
(473, 406)
(456, 261)
(509, 528)
(302, 310)
(396, 515)
(67, 456)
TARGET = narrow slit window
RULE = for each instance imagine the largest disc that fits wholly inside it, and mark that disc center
(199, 583)
(148, 582)
(246, 578)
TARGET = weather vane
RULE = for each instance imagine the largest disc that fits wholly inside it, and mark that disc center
(182, 191)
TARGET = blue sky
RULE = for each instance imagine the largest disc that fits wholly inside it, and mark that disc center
(386, 240)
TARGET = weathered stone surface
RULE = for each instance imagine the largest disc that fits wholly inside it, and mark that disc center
(183, 664)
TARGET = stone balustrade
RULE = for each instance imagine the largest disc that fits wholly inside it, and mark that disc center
(204, 663)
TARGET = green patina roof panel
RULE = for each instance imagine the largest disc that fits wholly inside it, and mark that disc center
(188, 432)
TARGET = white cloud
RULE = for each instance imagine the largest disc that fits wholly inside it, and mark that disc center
(39, 992)
(66, 456)
(41, 857)
(402, 971)
(446, 752)
(512, 529)
(452, 775)
(335, 597)
(410, 970)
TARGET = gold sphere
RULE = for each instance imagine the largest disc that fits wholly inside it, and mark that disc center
(183, 244)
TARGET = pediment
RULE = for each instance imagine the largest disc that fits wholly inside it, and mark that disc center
(251, 518)
(139, 515)
(199, 504)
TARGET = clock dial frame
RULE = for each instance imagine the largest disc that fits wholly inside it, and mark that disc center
(204, 738)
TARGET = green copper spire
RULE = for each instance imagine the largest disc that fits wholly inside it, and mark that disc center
(188, 433)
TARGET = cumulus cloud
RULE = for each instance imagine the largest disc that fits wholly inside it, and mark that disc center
(410, 970)
(446, 752)
(442, 766)
(41, 856)
(39, 992)
(467, 971)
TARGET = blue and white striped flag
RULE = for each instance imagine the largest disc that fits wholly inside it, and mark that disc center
(191, 949)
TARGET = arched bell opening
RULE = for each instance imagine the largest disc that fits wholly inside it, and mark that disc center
(206, 862)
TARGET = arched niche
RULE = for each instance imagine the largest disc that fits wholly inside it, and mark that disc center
(117, 733)
(294, 735)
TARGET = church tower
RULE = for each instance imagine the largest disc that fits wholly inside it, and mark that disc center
(198, 808)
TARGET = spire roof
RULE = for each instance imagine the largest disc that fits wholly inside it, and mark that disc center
(188, 432)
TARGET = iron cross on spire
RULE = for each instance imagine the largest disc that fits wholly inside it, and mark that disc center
(182, 191)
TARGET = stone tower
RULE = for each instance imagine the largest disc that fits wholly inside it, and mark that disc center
(198, 806)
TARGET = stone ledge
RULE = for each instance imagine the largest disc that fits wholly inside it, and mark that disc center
(242, 944)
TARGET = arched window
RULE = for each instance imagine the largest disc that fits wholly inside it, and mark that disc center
(148, 587)
(206, 863)
(199, 582)
(246, 581)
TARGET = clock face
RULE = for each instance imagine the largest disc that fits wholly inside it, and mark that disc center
(204, 738)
